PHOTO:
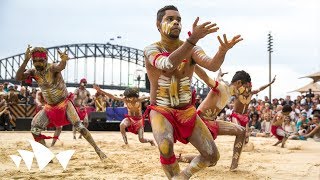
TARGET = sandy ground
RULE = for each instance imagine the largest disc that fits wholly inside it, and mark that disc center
(299, 160)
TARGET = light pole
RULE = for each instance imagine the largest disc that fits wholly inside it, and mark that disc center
(270, 51)
(113, 39)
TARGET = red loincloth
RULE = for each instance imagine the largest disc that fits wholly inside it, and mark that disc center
(242, 119)
(57, 114)
(274, 132)
(135, 123)
(182, 120)
(212, 125)
(81, 112)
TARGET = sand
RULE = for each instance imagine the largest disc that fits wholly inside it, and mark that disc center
(299, 160)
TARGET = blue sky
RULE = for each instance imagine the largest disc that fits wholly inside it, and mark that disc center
(294, 25)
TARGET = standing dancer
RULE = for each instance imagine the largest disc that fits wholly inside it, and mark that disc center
(134, 121)
(243, 97)
(170, 65)
(211, 106)
(81, 98)
(59, 110)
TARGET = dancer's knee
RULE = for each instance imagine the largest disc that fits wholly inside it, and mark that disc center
(79, 126)
(122, 126)
(166, 148)
(212, 158)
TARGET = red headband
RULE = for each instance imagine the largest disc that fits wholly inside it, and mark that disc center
(41, 55)
(83, 80)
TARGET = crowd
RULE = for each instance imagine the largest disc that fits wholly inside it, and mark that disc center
(303, 119)
(13, 95)
(301, 122)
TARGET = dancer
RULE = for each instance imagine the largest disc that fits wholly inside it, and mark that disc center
(211, 106)
(134, 121)
(59, 110)
(81, 98)
(276, 128)
(241, 103)
(170, 65)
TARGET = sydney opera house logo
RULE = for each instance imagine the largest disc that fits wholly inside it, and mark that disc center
(43, 156)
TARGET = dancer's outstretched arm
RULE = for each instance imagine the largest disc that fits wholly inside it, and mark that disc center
(107, 94)
(64, 58)
(204, 76)
(263, 87)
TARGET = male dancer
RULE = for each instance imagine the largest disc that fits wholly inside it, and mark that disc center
(134, 121)
(59, 110)
(170, 65)
(276, 128)
(216, 100)
(241, 103)
(81, 98)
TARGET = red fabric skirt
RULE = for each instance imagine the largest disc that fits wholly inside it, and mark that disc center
(82, 113)
(242, 119)
(274, 132)
(57, 114)
(182, 120)
(135, 123)
(212, 125)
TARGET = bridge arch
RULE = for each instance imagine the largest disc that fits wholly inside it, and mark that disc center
(80, 53)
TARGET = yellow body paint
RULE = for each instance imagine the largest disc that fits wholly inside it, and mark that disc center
(164, 147)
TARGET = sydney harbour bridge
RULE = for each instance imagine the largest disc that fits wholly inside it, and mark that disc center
(108, 65)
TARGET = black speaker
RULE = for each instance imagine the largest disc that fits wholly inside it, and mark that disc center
(147, 82)
(23, 124)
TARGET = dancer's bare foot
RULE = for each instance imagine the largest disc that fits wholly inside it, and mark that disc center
(152, 143)
(233, 167)
(181, 176)
(277, 143)
(101, 155)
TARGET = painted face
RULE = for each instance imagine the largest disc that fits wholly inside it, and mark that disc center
(171, 24)
(40, 64)
(240, 88)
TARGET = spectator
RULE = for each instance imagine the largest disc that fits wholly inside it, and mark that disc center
(303, 121)
(275, 102)
(289, 126)
(307, 109)
(12, 97)
(265, 126)
(32, 98)
(5, 87)
(287, 101)
(5, 118)
(2, 91)
(315, 133)
(254, 123)
(198, 101)
(22, 95)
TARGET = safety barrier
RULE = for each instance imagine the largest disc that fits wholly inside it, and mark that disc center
(21, 111)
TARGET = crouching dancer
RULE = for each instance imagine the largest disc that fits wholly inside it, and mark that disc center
(59, 110)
